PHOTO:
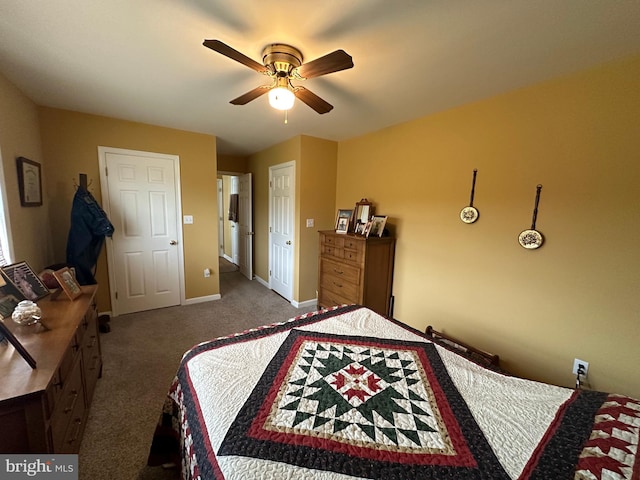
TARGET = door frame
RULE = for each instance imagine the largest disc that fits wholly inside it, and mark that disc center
(106, 206)
(219, 184)
(292, 164)
(245, 247)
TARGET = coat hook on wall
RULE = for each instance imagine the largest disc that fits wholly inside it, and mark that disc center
(82, 182)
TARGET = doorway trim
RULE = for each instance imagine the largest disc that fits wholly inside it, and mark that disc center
(106, 206)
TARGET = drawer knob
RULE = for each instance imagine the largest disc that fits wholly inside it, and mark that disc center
(339, 272)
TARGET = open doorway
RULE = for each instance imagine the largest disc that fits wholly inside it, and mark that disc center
(228, 227)
(236, 223)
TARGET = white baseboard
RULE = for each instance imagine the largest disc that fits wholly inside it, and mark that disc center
(208, 298)
(307, 303)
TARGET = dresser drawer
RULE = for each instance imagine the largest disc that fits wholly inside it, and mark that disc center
(91, 357)
(348, 291)
(69, 407)
(336, 241)
(353, 255)
(346, 273)
(331, 251)
(328, 298)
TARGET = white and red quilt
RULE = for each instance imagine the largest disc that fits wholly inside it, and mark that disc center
(348, 394)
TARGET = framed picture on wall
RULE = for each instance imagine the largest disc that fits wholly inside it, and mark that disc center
(29, 182)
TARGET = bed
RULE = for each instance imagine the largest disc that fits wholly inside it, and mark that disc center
(346, 393)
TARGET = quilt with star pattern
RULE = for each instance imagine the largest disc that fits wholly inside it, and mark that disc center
(348, 394)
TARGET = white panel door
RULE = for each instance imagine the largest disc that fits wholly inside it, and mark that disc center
(143, 209)
(245, 227)
(282, 206)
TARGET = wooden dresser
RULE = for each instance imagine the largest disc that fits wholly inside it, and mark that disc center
(45, 409)
(356, 269)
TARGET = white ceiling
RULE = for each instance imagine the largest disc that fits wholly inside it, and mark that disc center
(143, 60)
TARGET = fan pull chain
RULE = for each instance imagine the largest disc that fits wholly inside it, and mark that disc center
(286, 117)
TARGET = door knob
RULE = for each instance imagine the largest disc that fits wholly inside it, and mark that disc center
(173, 242)
(288, 242)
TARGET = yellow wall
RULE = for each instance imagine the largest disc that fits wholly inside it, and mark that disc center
(316, 191)
(577, 296)
(70, 144)
(20, 137)
(315, 172)
(258, 164)
(232, 164)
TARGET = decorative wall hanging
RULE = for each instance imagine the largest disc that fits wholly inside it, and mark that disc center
(29, 182)
(531, 239)
(470, 214)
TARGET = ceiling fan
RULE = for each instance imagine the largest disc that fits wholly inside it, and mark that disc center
(283, 63)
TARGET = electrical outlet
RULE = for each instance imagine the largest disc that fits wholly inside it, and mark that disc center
(576, 364)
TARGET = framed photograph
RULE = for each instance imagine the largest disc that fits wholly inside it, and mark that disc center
(366, 229)
(29, 182)
(68, 283)
(343, 220)
(6, 333)
(10, 296)
(377, 225)
(26, 280)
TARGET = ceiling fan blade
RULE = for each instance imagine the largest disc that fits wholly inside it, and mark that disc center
(311, 99)
(332, 62)
(251, 95)
(227, 51)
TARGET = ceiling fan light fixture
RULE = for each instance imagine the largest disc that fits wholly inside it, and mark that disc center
(281, 98)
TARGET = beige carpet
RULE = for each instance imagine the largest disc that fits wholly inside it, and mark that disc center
(141, 355)
(226, 266)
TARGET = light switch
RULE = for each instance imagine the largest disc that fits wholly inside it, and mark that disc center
(188, 219)
(309, 222)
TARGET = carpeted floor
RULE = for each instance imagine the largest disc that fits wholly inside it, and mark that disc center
(141, 354)
(226, 266)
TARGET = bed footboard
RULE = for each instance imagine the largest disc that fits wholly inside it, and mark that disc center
(475, 354)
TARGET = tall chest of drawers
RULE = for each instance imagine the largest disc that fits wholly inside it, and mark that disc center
(46, 408)
(356, 269)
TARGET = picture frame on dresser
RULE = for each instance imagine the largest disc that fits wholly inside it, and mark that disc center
(6, 333)
(26, 280)
(343, 219)
(10, 296)
(68, 283)
(378, 223)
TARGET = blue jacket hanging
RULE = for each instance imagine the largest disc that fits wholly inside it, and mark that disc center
(89, 227)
